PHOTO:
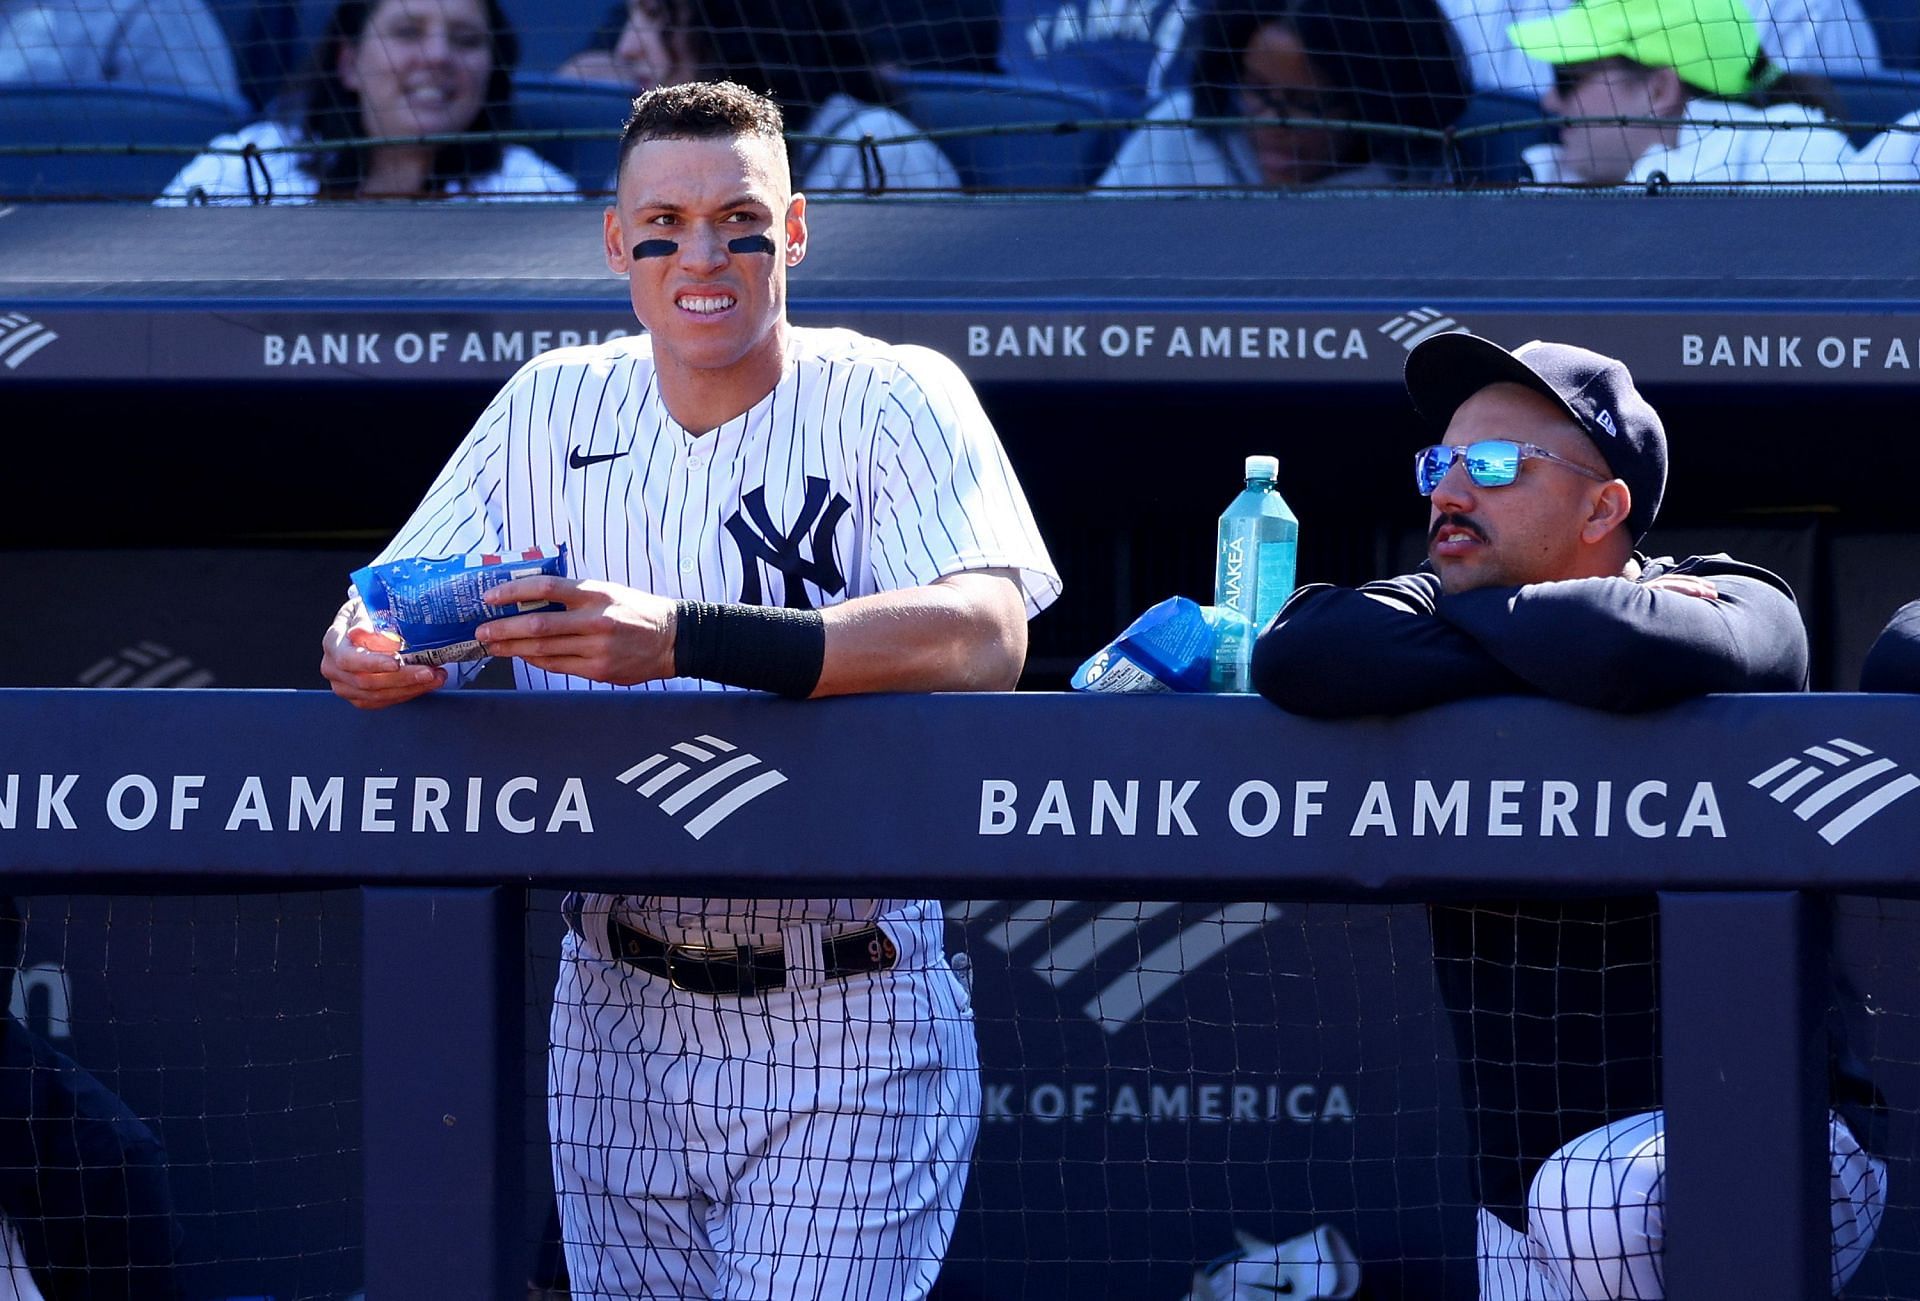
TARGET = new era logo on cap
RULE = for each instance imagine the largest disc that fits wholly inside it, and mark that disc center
(1604, 418)
(710, 781)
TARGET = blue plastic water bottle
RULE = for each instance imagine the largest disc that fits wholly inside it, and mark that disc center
(1259, 542)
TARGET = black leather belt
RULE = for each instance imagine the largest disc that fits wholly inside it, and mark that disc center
(744, 971)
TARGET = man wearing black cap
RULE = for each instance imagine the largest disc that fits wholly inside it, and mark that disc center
(1550, 469)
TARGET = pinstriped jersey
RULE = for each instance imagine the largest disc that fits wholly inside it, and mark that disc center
(870, 467)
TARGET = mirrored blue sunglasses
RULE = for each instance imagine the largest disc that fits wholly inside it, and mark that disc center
(1494, 463)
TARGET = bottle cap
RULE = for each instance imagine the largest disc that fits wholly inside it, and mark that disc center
(1263, 467)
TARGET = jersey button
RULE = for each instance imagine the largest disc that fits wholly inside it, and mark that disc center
(686, 566)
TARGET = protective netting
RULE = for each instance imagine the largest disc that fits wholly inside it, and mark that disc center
(179, 1096)
(1193, 1100)
(1171, 1099)
(283, 100)
(1877, 1062)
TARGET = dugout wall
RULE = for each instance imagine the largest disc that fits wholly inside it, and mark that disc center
(178, 408)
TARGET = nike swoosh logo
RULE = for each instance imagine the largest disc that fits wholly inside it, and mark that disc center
(577, 461)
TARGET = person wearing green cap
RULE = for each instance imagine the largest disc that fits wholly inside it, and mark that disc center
(1678, 90)
(1828, 38)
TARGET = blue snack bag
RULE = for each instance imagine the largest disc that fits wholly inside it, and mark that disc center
(1169, 648)
(434, 606)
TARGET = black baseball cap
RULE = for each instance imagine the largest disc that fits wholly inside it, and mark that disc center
(1594, 390)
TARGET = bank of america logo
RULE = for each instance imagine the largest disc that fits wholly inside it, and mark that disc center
(1413, 328)
(706, 779)
(1063, 942)
(20, 338)
(1839, 783)
(146, 664)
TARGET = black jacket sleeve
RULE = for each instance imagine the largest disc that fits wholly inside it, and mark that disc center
(1894, 662)
(1615, 643)
(1338, 652)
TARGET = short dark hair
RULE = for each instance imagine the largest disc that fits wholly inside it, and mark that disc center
(1394, 62)
(700, 110)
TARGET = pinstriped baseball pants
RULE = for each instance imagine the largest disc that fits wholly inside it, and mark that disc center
(809, 1142)
(1596, 1217)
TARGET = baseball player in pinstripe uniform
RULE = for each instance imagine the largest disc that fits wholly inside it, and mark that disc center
(748, 1097)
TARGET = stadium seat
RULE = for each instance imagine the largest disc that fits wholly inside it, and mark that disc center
(1896, 25)
(1878, 98)
(999, 158)
(552, 31)
(95, 116)
(543, 103)
(1493, 158)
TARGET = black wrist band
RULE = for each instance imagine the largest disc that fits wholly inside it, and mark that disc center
(764, 648)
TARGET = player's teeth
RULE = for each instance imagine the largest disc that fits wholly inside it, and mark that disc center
(705, 304)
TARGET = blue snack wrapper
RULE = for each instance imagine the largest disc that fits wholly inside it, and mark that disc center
(434, 606)
(1169, 648)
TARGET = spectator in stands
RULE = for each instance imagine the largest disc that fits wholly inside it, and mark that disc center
(1550, 470)
(1383, 62)
(814, 66)
(149, 44)
(1894, 662)
(1893, 156)
(1819, 38)
(639, 45)
(391, 68)
(1702, 103)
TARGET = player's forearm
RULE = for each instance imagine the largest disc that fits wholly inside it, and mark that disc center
(1612, 643)
(965, 632)
(1340, 653)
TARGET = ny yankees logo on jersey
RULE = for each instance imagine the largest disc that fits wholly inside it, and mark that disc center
(819, 513)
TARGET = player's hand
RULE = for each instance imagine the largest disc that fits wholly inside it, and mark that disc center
(362, 665)
(607, 633)
(1685, 585)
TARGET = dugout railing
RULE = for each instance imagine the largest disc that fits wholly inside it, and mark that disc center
(1744, 814)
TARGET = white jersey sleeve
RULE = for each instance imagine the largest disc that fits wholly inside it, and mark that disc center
(945, 500)
(456, 517)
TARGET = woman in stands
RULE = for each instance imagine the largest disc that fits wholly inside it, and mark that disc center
(1678, 91)
(394, 68)
(1314, 74)
(810, 58)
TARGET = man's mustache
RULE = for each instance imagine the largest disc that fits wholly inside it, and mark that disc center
(1455, 521)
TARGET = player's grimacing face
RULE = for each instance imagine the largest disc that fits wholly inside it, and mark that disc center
(1528, 531)
(685, 214)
